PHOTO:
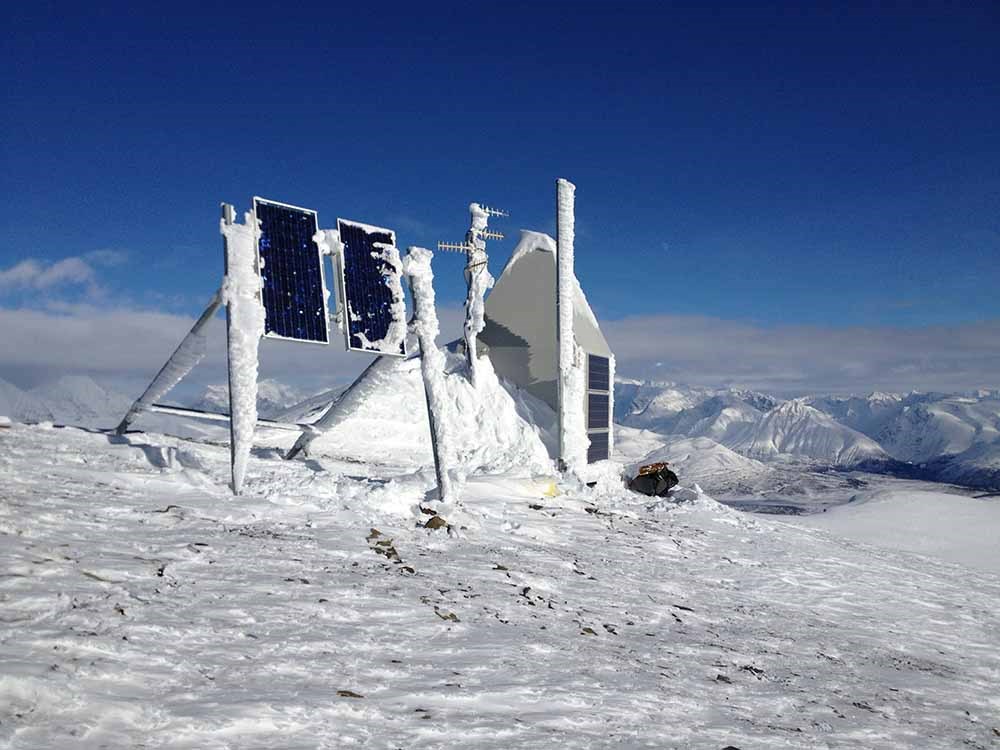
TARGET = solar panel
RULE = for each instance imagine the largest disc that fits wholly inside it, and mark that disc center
(598, 450)
(597, 411)
(373, 293)
(294, 293)
(598, 407)
(598, 373)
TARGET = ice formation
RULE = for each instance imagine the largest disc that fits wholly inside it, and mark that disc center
(572, 387)
(188, 354)
(395, 338)
(425, 326)
(241, 290)
(480, 281)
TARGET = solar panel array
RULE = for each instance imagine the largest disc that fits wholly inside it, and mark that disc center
(294, 294)
(598, 408)
(368, 298)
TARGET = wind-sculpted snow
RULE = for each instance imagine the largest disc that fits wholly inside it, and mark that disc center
(388, 421)
(143, 606)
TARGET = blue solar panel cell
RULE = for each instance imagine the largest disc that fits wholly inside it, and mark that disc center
(369, 283)
(294, 293)
(598, 411)
(598, 373)
(598, 407)
(599, 447)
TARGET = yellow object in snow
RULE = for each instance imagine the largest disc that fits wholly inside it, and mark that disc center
(546, 485)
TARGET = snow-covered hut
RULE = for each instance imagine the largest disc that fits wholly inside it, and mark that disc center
(521, 339)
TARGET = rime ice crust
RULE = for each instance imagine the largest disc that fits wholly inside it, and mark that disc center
(241, 292)
(480, 282)
(395, 338)
(417, 267)
(572, 386)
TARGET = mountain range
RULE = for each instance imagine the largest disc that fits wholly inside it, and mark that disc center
(939, 436)
(936, 436)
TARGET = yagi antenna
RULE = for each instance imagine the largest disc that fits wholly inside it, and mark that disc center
(456, 247)
(469, 246)
(477, 275)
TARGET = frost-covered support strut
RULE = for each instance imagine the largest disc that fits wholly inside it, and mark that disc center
(572, 428)
(241, 293)
(188, 353)
(417, 267)
(479, 281)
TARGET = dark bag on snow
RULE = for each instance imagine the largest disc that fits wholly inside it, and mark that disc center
(653, 479)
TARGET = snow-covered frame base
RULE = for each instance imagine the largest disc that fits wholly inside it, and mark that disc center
(240, 293)
(417, 268)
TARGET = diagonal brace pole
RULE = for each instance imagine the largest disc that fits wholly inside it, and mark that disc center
(188, 354)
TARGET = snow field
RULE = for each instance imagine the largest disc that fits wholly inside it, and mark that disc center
(142, 604)
(952, 527)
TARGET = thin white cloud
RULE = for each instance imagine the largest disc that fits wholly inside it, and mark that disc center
(131, 345)
(789, 359)
(107, 257)
(21, 275)
(40, 344)
(73, 273)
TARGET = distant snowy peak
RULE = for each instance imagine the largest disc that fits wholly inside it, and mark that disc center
(675, 408)
(653, 403)
(797, 429)
(866, 414)
(22, 406)
(273, 398)
(699, 458)
(760, 401)
(715, 417)
(923, 431)
(215, 398)
(79, 400)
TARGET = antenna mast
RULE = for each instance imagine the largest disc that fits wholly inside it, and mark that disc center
(477, 275)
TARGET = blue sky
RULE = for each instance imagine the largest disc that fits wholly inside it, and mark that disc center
(773, 166)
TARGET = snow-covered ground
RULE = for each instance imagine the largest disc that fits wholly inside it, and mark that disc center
(920, 519)
(143, 606)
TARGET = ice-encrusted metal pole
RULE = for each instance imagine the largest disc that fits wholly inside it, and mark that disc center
(477, 277)
(425, 325)
(570, 412)
(479, 280)
(241, 293)
(188, 353)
